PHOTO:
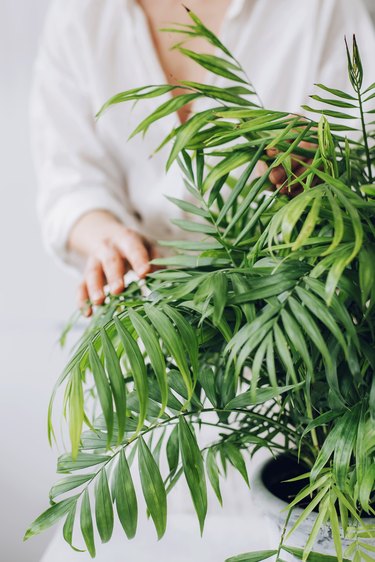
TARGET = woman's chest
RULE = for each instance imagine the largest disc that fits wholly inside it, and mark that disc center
(161, 15)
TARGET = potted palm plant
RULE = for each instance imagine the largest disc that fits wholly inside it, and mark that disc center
(266, 323)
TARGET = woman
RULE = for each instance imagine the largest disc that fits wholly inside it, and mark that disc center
(101, 199)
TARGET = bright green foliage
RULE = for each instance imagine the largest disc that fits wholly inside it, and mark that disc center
(264, 327)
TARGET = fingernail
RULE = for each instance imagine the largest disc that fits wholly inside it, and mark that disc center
(143, 270)
(97, 296)
(116, 286)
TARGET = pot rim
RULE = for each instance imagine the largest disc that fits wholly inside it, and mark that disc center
(261, 490)
(270, 502)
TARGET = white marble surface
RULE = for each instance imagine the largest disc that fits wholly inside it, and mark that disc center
(182, 543)
(236, 528)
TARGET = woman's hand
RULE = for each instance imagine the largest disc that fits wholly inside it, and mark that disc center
(278, 176)
(110, 249)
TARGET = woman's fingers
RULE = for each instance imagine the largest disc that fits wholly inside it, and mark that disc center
(278, 175)
(95, 281)
(113, 265)
(83, 300)
(124, 249)
(294, 188)
(133, 248)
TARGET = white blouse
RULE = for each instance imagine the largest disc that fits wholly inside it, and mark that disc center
(93, 49)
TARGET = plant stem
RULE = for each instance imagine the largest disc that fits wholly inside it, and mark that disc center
(365, 138)
(283, 534)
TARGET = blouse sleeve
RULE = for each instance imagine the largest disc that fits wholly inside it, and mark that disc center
(75, 172)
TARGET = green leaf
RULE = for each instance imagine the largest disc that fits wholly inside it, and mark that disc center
(201, 30)
(366, 487)
(194, 470)
(322, 515)
(354, 66)
(176, 384)
(153, 488)
(213, 474)
(268, 286)
(335, 102)
(368, 189)
(293, 212)
(206, 378)
(170, 106)
(296, 338)
(69, 527)
(117, 382)
(236, 459)
(320, 421)
(230, 95)
(338, 222)
(192, 245)
(86, 524)
(125, 497)
(190, 226)
(220, 296)
(50, 517)
(138, 369)
(154, 352)
(66, 463)
(189, 262)
(240, 184)
(187, 334)
(322, 313)
(335, 527)
(312, 557)
(284, 353)
(262, 395)
(103, 507)
(224, 167)
(335, 274)
(187, 132)
(337, 307)
(340, 442)
(76, 410)
(338, 93)
(253, 556)
(173, 450)
(135, 94)
(69, 483)
(103, 389)
(214, 64)
(309, 225)
(329, 113)
(172, 341)
(366, 273)
(305, 320)
(317, 501)
(344, 446)
(188, 207)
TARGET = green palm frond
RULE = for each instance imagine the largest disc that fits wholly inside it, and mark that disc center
(263, 328)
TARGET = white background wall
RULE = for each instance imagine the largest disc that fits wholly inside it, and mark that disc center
(371, 6)
(35, 298)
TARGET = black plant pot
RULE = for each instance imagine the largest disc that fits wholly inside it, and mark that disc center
(272, 495)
